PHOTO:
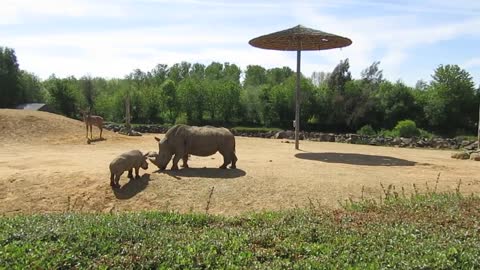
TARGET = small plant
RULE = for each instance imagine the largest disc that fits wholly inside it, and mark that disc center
(313, 120)
(406, 128)
(366, 130)
(181, 119)
(425, 134)
(387, 133)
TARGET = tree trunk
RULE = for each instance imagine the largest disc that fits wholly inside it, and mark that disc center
(127, 112)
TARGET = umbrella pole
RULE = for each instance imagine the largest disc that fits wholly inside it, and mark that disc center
(297, 102)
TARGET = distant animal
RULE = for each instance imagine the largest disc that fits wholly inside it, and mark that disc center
(180, 141)
(94, 120)
(127, 161)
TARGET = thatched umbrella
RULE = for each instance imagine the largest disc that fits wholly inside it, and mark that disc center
(299, 38)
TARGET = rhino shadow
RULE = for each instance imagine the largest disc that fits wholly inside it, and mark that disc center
(132, 188)
(356, 159)
(206, 173)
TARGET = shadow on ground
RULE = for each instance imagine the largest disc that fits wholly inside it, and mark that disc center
(206, 173)
(132, 188)
(356, 159)
(89, 141)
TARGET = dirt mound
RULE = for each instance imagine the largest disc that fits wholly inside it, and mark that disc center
(34, 127)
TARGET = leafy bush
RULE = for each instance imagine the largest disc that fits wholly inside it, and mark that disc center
(366, 130)
(425, 134)
(406, 128)
(181, 119)
(387, 133)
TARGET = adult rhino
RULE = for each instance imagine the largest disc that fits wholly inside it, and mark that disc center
(183, 140)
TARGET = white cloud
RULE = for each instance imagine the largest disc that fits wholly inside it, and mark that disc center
(472, 63)
(18, 11)
(194, 33)
(389, 39)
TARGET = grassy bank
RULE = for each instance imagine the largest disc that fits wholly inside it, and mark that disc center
(433, 231)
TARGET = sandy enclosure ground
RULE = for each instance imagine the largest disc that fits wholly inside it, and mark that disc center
(47, 166)
(271, 175)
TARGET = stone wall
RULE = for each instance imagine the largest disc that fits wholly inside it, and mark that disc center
(436, 143)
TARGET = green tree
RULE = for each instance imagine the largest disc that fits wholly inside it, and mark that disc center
(159, 74)
(255, 76)
(88, 91)
(396, 102)
(10, 91)
(192, 97)
(197, 71)
(373, 74)
(170, 100)
(62, 96)
(360, 104)
(336, 85)
(339, 77)
(451, 103)
(32, 88)
(278, 75)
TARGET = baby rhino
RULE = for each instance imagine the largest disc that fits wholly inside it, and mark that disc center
(127, 162)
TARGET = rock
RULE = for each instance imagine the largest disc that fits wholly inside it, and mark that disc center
(396, 141)
(352, 138)
(472, 146)
(134, 133)
(461, 155)
(280, 135)
(131, 132)
(475, 156)
(466, 143)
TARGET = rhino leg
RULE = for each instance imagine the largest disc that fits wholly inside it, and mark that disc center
(136, 172)
(117, 181)
(130, 174)
(175, 161)
(185, 160)
(234, 161)
(226, 160)
(112, 183)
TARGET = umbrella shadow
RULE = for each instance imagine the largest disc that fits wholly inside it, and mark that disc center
(206, 173)
(356, 159)
(132, 188)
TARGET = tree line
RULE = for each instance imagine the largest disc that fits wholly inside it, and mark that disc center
(223, 94)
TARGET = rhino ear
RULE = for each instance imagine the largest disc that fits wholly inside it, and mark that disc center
(158, 139)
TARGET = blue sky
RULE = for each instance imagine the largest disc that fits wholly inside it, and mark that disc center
(111, 38)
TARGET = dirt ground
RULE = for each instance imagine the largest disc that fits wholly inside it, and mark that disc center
(47, 166)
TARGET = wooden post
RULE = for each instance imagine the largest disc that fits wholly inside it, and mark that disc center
(297, 102)
(478, 133)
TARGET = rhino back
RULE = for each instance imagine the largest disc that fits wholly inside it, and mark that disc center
(127, 161)
(206, 141)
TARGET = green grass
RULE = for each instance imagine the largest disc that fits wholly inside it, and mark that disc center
(432, 231)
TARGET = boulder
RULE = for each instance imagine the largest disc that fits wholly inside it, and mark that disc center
(471, 146)
(475, 156)
(461, 155)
